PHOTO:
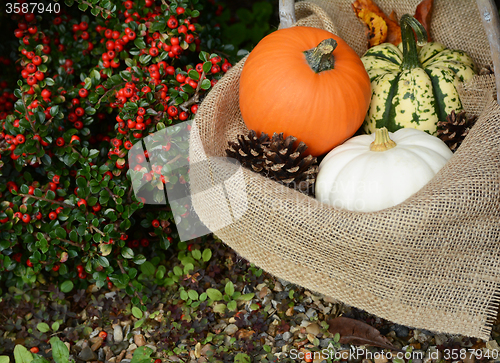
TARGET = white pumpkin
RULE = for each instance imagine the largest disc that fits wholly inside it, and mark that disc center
(368, 173)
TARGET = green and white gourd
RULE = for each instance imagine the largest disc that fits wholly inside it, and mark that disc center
(414, 87)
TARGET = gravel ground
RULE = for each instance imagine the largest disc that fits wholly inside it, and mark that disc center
(281, 322)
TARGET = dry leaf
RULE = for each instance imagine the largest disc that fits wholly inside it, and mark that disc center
(423, 14)
(377, 28)
(356, 332)
(393, 28)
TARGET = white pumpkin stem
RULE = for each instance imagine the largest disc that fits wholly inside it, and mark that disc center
(287, 13)
(382, 141)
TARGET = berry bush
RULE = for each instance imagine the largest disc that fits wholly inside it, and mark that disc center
(81, 82)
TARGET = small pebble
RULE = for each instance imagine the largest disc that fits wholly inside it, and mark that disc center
(118, 333)
(231, 329)
(313, 329)
(287, 335)
(96, 344)
(139, 340)
(299, 308)
(311, 313)
(87, 354)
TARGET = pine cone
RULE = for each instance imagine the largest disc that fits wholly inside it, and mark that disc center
(276, 158)
(250, 151)
(454, 130)
(487, 69)
(288, 164)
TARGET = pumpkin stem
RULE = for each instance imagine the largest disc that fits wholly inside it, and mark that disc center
(321, 58)
(382, 141)
(410, 53)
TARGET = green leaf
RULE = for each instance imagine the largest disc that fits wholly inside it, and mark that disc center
(207, 66)
(60, 232)
(50, 195)
(247, 297)
(141, 354)
(207, 255)
(43, 327)
(148, 268)
(60, 351)
(102, 261)
(83, 7)
(95, 76)
(196, 254)
(193, 74)
(22, 355)
(4, 359)
(55, 326)
(214, 294)
(66, 286)
(127, 252)
(220, 308)
(139, 43)
(229, 288)
(73, 236)
(139, 259)
(232, 306)
(137, 312)
(193, 295)
(88, 83)
(205, 84)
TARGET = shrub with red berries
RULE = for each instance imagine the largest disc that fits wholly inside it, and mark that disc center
(79, 87)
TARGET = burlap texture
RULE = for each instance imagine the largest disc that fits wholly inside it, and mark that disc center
(431, 262)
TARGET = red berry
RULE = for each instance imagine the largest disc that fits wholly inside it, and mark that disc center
(79, 268)
(34, 350)
(74, 138)
(172, 22)
(172, 111)
(29, 263)
(83, 92)
(26, 218)
(153, 51)
(60, 141)
(52, 215)
(103, 334)
(55, 268)
(155, 223)
(82, 202)
(20, 139)
(56, 179)
(82, 275)
(39, 76)
(31, 80)
(180, 10)
(144, 242)
(37, 60)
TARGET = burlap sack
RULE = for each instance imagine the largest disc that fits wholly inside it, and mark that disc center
(431, 262)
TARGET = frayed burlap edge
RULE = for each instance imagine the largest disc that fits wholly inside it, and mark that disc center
(431, 262)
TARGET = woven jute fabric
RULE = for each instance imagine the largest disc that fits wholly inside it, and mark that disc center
(431, 262)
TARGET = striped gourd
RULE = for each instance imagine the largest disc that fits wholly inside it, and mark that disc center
(413, 87)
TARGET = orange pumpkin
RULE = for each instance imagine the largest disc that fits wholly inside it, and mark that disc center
(305, 82)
